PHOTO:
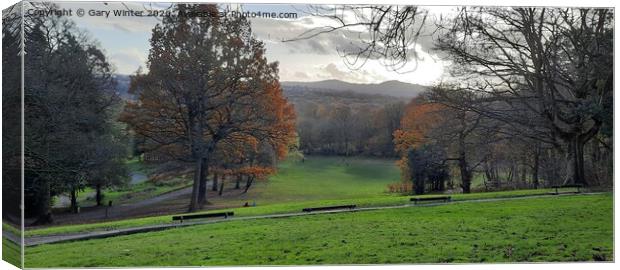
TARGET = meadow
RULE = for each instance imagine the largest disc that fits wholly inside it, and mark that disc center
(318, 181)
(325, 178)
(564, 228)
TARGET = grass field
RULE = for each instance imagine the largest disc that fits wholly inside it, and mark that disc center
(566, 228)
(133, 192)
(274, 209)
(321, 178)
(319, 181)
(11, 252)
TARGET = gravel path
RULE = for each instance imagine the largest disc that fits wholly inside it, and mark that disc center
(48, 239)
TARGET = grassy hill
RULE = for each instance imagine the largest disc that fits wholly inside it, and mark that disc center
(567, 228)
(319, 181)
(320, 177)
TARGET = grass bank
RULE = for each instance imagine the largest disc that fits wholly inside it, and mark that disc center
(291, 207)
(567, 228)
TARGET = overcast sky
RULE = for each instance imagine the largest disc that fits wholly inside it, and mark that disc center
(126, 42)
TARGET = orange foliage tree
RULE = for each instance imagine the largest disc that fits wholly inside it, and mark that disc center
(419, 119)
(208, 84)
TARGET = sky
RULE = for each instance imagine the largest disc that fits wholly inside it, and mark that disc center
(125, 40)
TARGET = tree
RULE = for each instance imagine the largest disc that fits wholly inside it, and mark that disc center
(11, 116)
(208, 82)
(343, 121)
(392, 32)
(70, 101)
(427, 165)
(391, 116)
(108, 168)
(419, 119)
(553, 66)
(413, 143)
(544, 72)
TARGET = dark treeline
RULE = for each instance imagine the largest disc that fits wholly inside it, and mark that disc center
(72, 139)
(346, 123)
(531, 104)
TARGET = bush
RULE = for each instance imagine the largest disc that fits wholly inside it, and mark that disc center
(400, 187)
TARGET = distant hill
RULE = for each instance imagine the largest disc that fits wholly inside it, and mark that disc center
(385, 92)
(122, 86)
(387, 88)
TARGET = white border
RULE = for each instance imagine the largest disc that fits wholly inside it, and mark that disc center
(563, 266)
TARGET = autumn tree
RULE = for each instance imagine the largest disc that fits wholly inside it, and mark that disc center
(419, 119)
(420, 156)
(208, 82)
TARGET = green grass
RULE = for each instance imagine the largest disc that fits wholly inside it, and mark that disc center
(143, 191)
(319, 181)
(292, 207)
(565, 228)
(11, 252)
(130, 194)
(10, 228)
(321, 178)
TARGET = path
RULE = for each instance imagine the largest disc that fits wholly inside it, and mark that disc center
(39, 240)
(150, 206)
(137, 178)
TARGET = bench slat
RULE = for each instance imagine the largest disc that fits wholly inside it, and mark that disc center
(442, 198)
(568, 186)
(195, 216)
(557, 192)
(349, 206)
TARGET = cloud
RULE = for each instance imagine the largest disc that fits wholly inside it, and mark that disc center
(128, 60)
(125, 23)
(301, 76)
(333, 71)
(126, 39)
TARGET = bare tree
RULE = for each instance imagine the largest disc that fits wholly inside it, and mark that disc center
(546, 72)
(391, 32)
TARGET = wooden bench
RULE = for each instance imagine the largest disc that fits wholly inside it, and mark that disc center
(195, 216)
(431, 199)
(578, 186)
(325, 208)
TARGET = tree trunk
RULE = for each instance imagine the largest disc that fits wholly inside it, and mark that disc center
(44, 213)
(524, 173)
(98, 194)
(74, 200)
(248, 184)
(214, 185)
(535, 168)
(193, 203)
(238, 183)
(222, 186)
(465, 176)
(463, 166)
(419, 186)
(202, 191)
(574, 162)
